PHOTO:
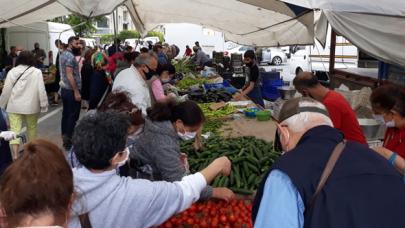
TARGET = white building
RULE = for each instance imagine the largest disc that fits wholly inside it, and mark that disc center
(183, 34)
(107, 26)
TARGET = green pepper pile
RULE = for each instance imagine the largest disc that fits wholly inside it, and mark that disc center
(187, 82)
(226, 111)
(251, 158)
(184, 66)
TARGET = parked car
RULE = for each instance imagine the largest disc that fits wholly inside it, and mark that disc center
(273, 56)
(315, 57)
(239, 50)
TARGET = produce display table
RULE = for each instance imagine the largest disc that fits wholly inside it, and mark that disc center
(249, 127)
(227, 132)
(214, 213)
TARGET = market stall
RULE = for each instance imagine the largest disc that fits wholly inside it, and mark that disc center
(48, 75)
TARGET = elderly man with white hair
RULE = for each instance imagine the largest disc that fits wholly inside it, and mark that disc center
(134, 80)
(323, 181)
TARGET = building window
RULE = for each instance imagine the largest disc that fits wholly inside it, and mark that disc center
(125, 16)
(125, 26)
(102, 23)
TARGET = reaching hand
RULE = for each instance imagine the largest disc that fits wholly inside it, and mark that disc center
(223, 193)
(225, 165)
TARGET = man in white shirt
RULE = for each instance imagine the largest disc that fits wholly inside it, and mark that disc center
(133, 80)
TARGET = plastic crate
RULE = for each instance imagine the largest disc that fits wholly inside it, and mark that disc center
(224, 85)
(270, 89)
(270, 75)
(272, 83)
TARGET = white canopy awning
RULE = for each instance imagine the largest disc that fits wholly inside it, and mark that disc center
(240, 22)
(381, 7)
(22, 12)
(376, 27)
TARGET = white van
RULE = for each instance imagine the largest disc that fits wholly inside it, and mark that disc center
(316, 58)
(89, 42)
(44, 33)
(137, 44)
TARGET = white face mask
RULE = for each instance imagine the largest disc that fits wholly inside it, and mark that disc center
(121, 163)
(17, 53)
(390, 123)
(165, 81)
(379, 118)
(187, 135)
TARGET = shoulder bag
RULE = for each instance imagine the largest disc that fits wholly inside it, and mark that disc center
(334, 157)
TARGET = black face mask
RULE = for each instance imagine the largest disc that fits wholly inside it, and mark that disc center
(149, 74)
(77, 51)
(249, 64)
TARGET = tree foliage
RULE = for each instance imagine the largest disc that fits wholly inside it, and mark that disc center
(155, 33)
(107, 39)
(129, 34)
(86, 29)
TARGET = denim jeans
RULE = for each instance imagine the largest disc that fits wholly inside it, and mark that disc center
(70, 113)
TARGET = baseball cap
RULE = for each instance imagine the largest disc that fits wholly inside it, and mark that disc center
(292, 107)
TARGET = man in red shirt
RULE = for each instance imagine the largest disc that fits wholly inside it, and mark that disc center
(342, 115)
(188, 51)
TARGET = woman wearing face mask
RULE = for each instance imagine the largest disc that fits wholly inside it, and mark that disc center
(165, 73)
(121, 102)
(388, 103)
(45, 202)
(158, 147)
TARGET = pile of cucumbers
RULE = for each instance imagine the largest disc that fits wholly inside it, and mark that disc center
(251, 159)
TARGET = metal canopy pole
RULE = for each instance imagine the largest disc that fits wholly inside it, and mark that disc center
(115, 29)
(332, 53)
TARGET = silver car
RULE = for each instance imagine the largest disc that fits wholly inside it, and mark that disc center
(273, 56)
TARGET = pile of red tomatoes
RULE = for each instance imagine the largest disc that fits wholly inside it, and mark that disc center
(236, 213)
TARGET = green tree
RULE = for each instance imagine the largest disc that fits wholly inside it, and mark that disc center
(128, 34)
(86, 29)
(155, 33)
(106, 39)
